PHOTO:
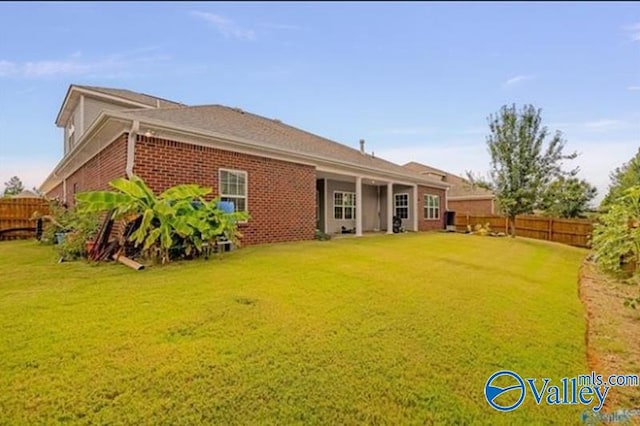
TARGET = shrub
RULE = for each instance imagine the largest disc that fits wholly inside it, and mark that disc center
(84, 228)
(616, 236)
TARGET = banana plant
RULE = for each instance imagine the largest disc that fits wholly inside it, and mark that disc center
(163, 216)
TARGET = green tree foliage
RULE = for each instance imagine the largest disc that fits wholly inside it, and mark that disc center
(13, 187)
(622, 178)
(178, 216)
(616, 235)
(568, 197)
(522, 167)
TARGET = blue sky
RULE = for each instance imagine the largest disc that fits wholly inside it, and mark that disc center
(416, 80)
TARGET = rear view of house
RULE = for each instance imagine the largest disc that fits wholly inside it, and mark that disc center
(290, 181)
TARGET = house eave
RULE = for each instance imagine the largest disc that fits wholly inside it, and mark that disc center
(471, 197)
(65, 108)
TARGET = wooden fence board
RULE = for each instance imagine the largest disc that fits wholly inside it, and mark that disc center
(16, 213)
(575, 232)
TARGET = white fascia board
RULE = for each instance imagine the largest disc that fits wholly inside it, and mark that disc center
(81, 91)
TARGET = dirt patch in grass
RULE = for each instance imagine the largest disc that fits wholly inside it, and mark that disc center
(613, 332)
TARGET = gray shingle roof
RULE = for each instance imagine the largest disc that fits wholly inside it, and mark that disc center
(460, 187)
(237, 123)
(133, 96)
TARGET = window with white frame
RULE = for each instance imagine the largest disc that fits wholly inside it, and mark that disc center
(344, 205)
(431, 206)
(233, 188)
(401, 205)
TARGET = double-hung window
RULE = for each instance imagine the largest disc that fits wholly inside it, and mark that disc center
(344, 205)
(401, 205)
(233, 188)
(431, 206)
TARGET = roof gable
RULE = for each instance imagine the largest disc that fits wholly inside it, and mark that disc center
(460, 187)
(122, 97)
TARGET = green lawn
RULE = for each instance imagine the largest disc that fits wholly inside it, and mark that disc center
(385, 329)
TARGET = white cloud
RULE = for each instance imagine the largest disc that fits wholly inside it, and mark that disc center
(115, 64)
(633, 30)
(516, 80)
(605, 124)
(225, 26)
(633, 88)
(7, 68)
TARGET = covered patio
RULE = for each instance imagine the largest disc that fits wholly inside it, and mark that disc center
(361, 203)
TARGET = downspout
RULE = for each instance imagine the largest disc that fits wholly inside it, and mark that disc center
(131, 146)
(379, 213)
(446, 199)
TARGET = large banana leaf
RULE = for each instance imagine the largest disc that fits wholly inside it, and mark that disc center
(132, 188)
(186, 191)
(97, 201)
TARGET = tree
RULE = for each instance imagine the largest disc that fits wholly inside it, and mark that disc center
(616, 235)
(13, 187)
(521, 167)
(622, 178)
(568, 197)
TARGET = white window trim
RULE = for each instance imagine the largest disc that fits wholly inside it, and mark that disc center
(246, 189)
(408, 206)
(71, 134)
(426, 207)
(344, 205)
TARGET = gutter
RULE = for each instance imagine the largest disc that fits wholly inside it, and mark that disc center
(131, 147)
(251, 144)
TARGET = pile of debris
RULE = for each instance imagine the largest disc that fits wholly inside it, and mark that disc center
(119, 249)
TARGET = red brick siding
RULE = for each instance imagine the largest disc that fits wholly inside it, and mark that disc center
(281, 195)
(96, 174)
(429, 224)
(471, 207)
(55, 192)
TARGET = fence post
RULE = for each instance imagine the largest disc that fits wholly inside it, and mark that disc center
(550, 230)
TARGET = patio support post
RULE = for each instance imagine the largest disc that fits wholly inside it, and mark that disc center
(358, 206)
(416, 208)
(390, 208)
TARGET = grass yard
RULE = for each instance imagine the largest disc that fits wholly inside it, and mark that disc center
(386, 329)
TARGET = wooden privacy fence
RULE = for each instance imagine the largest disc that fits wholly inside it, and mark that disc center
(15, 217)
(575, 232)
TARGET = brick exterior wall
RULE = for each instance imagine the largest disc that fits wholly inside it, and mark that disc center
(428, 224)
(55, 192)
(471, 207)
(281, 195)
(96, 174)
